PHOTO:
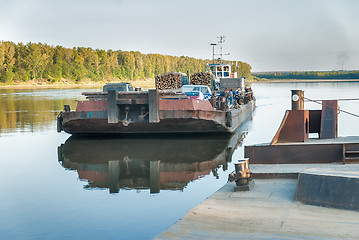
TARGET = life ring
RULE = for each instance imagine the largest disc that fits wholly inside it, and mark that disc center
(232, 75)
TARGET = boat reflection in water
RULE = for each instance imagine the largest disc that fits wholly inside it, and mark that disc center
(154, 163)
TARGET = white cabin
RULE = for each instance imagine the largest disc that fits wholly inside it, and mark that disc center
(221, 70)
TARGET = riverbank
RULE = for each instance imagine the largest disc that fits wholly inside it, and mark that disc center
(304, 80)
(36, 84)
(143, 83)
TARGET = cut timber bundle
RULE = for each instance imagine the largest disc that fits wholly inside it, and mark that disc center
(170, 80)
(201, 78)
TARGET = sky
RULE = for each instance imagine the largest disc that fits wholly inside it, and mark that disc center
(270, 35)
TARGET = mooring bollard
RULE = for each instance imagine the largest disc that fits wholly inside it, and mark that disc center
(242, 176)
(242, 172)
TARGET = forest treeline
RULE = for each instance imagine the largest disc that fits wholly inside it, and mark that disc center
(22, 62)
(310, 75)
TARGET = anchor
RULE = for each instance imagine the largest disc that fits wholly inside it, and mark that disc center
(143, 114)
(126, 121)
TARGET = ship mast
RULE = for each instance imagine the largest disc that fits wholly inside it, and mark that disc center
(219, 69)
(220, 43)
(213, 44)
(221, 40)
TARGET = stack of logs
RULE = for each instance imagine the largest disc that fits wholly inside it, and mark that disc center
(201, 78)
(170, 80)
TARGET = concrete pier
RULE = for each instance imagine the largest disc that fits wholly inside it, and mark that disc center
(269, 211)
(330, 188)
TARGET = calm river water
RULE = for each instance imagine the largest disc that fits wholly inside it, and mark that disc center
(54, 186)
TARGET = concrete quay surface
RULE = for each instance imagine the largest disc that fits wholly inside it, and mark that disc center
(319, 168)
(268, 211)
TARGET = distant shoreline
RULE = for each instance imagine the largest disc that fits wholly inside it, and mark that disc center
(305, 80)
(146, 83)
(53, 86)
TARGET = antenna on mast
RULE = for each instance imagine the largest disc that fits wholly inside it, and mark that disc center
(220, 43)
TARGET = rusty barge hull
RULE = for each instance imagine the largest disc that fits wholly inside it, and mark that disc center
(170, 121)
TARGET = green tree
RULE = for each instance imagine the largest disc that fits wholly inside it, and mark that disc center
(37, 59)
(7, 61)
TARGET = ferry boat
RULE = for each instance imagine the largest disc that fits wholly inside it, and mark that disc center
(118, 111)
(152, 111)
